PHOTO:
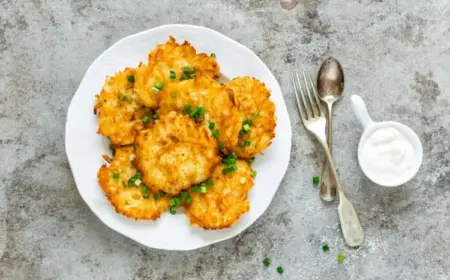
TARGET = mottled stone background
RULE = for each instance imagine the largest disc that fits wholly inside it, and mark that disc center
(396, 55)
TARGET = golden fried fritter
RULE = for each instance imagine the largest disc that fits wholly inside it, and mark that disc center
(221, 116)
(251, 97)
(175, 153)
(131, 201)
(119, 108)
(170, 63)
(224, 202)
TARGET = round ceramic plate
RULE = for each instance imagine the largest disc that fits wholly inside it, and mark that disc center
(84, 146)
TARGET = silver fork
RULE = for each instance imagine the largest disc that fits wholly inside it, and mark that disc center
(313, 118)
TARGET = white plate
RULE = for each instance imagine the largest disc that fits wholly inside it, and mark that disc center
(84, 146)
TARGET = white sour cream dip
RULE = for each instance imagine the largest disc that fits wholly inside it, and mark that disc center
(387, 155)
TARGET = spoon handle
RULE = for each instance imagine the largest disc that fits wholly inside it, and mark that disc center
(328, 187)
(350, 225)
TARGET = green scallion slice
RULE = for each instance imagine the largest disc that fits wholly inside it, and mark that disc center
(131, 79)
(211, 126)
(172, 202)
(172, 75)
(216, 134)
(145, 119)
(316, 180)
(183, 195)
(116, 176)
(280, 270)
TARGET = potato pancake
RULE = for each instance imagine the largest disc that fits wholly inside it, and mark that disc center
(224, 202)
(220, 116)
(251, 97)
(175, 154)
(119, 109)
(171, 63)
(119, 182)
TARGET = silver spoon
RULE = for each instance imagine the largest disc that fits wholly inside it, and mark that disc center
(330, 85)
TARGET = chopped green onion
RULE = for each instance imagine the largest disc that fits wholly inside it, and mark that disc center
(198, 112)
(145, 195)
(202, 185)
(187, 70)
(203, 189)
(192, 75)
(116, 176)
(155, 196)
(145, 119)
(213, 55)
(184, 77)
(316, 180)
(251, 160)
(210, 183)
(248, 122)
(247, 143)
(173, 210)
(254, 173)
(135, 146)
(195, 188)
(246, 127)
(230, 159)
(177, 201)
(229, 169)
(341, 257)
(221, 145)
(280, 270)
(131, 79)
(211, 125)
(215, 133)
(183, 195)
(187, 109)
(144, 189)
(172, 202)
(159, 85)
(172, 75)
(155, 89)
(131, 183)
(325, 248)
(124, 183)
(267, 261)
(162, 194)
(188, 200)
(155, 116)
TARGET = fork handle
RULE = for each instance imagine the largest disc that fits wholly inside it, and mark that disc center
(350, 225)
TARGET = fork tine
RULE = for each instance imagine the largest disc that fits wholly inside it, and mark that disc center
(319, 104)
(302, 114)
(310, 97)
(309, 113)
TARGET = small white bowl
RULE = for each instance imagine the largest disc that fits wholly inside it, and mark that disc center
(360, 110)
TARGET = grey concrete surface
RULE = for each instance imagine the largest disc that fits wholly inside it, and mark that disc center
(396, 55)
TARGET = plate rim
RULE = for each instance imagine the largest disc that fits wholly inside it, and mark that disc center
(285, 164)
